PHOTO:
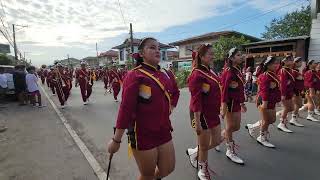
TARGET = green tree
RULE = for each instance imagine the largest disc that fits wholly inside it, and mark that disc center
(296, 23)
(4, 60)
(222, 47)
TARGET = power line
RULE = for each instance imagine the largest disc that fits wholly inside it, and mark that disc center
(247, 19)
(124, 20)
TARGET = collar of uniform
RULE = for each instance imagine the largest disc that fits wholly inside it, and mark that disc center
(237, 68)
(286, 67)
(149, 66)
(204, 67)
(271, 72)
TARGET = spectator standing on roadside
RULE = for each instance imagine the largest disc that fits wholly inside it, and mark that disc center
(3, 83)
(19, 78)
(33, 88)
(248, 86)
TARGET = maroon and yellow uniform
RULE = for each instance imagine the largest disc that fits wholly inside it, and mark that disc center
(205, 89)
(269, 89)
(60, 80)
(43, 74)
(298, 83)
(145, 107)
(85, 80)
(287, 82)
(105, 75)
(115, 81)
(232, 88)
(50, 81)
(311, 79)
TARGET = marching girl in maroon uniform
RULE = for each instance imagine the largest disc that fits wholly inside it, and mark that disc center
(287, 82)
(232, 101)
(105, 76)
(268, 96)
(50, 81)
(115, 81)
(205, 88)
(145, 111)
(311, 82)
(298, 91)
(317, 99)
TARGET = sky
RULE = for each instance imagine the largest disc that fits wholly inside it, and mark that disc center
(56, 28)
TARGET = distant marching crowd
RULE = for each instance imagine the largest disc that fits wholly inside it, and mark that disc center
(60, 80)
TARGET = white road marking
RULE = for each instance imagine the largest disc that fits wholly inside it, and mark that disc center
(101, 174)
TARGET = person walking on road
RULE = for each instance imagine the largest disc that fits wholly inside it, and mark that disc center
(115, 81)
(311, 80)
(205, 88)
(50, 80)
(233, 98)
(60, 80)
(146, 95)
(298, 91)
(19, 78)
(287, 82)
(268, 96)
(84, 79)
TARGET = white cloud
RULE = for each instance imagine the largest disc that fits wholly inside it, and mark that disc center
(82, 23)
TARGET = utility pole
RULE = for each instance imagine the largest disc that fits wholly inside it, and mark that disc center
(97, 53)
(70, 65)
(131, 40)
(14, 43)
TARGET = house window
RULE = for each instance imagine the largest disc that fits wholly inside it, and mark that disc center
(190, 47)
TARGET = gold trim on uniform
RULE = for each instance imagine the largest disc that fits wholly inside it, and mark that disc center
(145, 91)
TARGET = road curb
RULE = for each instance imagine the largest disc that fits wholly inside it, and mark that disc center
(101, 174)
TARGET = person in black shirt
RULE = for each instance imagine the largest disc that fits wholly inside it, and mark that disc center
(19, 78)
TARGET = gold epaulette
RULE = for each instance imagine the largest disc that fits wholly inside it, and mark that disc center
(137, 67)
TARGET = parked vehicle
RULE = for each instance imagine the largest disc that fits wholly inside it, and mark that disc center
(8, 71)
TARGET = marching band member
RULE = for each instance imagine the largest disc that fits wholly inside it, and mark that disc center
(85, 80)
(60, 80)
(298, 91)
(287, 82)
(145, 111)
(50, 80)
(317, 98)
(204, 86)
(105, 76)
(311, 82)
(232, 101)
(268, 95)
(115, 81)
(43, 73)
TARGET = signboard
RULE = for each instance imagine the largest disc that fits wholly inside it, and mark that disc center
(4, 48)
(184, 65)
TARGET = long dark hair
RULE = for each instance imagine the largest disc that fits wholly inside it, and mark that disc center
(196, 55)
(142, 44)
(269, 60)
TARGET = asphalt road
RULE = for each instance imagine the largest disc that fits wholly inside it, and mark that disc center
(296, 156)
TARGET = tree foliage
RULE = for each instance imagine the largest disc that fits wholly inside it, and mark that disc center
(296, 23)
(224, 44)
(4, 60)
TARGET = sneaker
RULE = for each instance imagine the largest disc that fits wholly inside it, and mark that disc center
(42, 106)
(303, 108)
(85, 103)
(284, 128)
(63, 106)
(263, 140)
(317, 112)
(295, 122)
(116, 100)
(217, 148)
(250, 130)
(231, 154)
(311, 118)
(203, 172)
(3, 129)
(192, 153)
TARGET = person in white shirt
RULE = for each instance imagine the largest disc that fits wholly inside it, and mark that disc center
(3, 79)
(32, 86)
(3, 88)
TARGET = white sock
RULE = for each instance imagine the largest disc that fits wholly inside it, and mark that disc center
(257, 124)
